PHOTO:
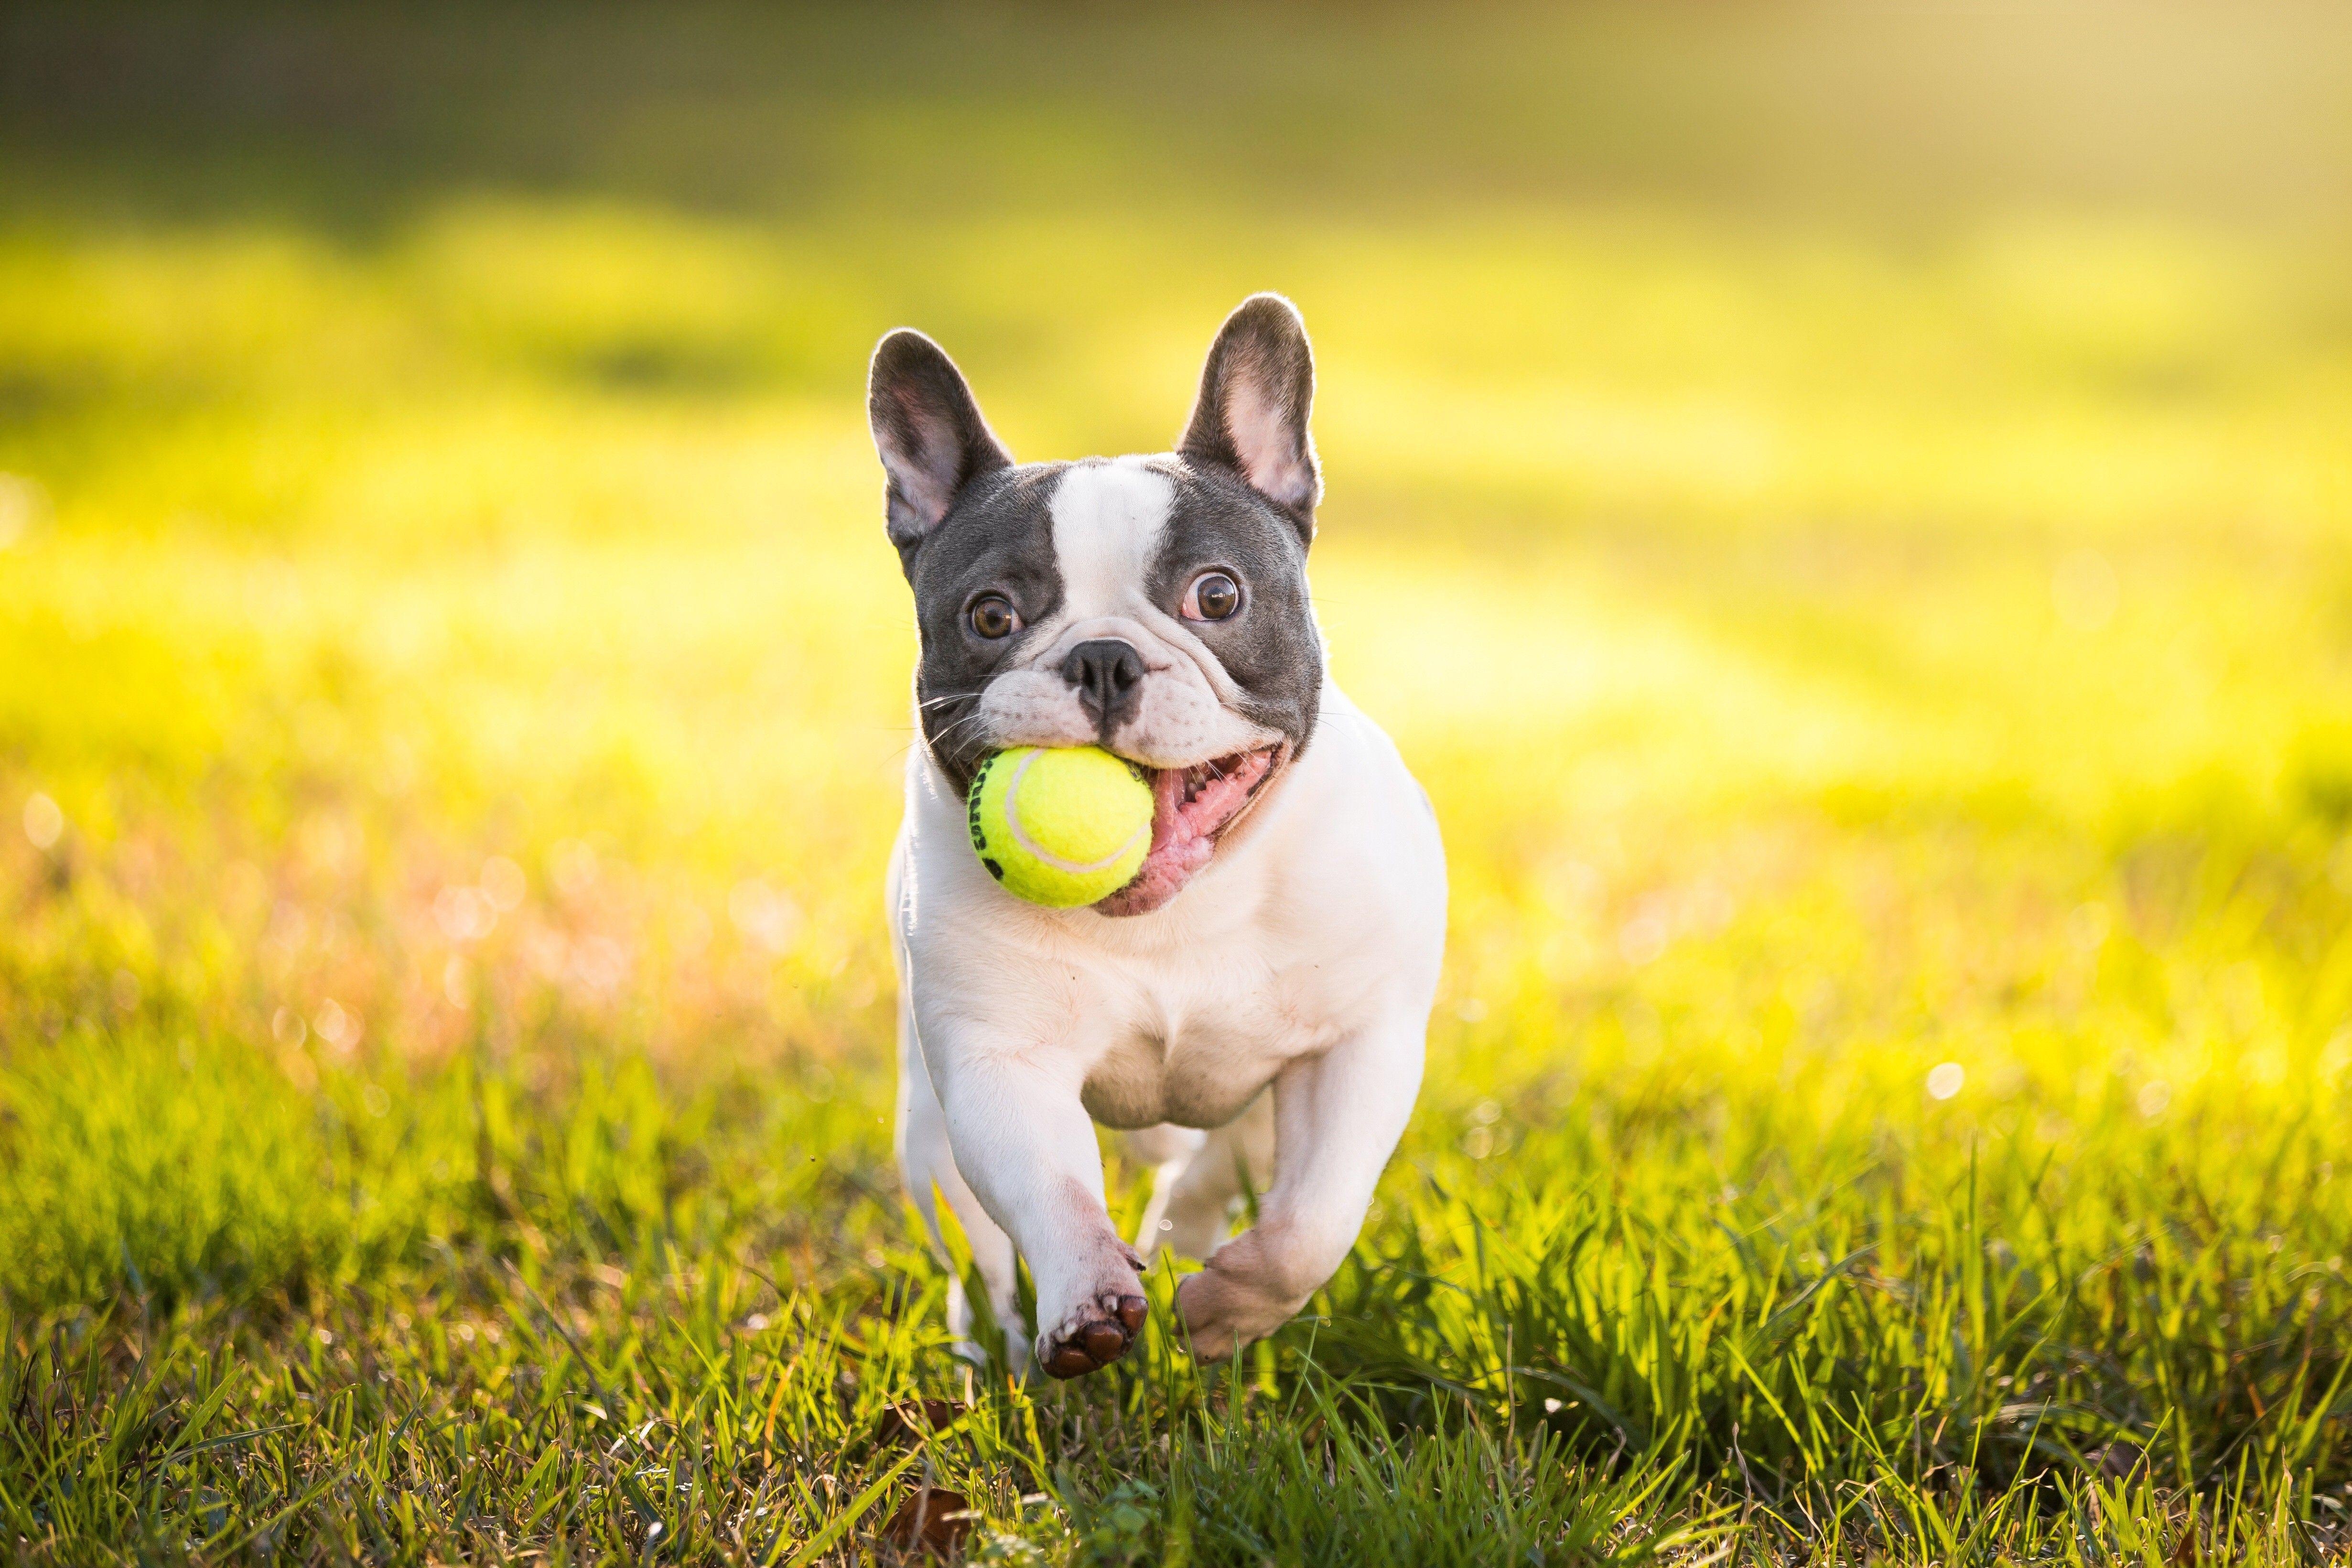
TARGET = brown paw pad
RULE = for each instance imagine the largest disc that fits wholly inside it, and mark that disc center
(1095, 1343)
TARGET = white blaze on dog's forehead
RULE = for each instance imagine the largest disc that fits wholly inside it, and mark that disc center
(1108, 519)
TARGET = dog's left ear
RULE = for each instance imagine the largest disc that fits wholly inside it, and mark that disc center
(1251, 416)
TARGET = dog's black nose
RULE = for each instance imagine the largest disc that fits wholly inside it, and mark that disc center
(1109, 675)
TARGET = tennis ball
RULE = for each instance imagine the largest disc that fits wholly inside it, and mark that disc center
(1060, 826)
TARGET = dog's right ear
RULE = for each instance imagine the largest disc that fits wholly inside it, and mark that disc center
(930, 434)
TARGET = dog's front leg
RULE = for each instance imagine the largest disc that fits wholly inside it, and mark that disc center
(1026, 1147)
(1337, 1118)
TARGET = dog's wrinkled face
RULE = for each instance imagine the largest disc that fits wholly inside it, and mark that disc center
(1154, 606)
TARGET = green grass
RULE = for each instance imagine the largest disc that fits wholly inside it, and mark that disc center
(1846, 511)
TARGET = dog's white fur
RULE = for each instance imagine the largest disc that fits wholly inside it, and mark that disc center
(1303, 959)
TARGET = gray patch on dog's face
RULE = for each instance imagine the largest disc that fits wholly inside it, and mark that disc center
(999, 538)
(1173, 521)
(1269, 647)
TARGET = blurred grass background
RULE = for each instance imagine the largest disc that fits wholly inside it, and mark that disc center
(1845, 508)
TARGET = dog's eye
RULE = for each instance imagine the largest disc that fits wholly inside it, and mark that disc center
(1214, 596)
(994, 616)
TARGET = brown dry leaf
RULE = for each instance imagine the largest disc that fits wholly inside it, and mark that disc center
(934, 1520)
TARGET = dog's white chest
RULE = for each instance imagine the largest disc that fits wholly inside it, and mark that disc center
(1195, 1048)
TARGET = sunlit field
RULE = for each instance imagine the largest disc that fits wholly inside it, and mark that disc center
(1849, 515)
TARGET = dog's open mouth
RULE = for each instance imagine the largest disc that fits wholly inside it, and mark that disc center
(1190, 809)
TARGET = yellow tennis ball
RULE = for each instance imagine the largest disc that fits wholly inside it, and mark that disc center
(1060, 826)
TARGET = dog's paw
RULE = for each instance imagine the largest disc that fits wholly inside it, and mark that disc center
(1093, 1336)
(1245, 1293)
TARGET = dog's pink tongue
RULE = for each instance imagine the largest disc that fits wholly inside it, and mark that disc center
(1184, 833)
(1178, 848)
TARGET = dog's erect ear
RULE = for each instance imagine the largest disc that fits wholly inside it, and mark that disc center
(928, 431)
(1255, 394)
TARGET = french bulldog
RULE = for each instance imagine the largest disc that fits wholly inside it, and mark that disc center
(1249, 1010)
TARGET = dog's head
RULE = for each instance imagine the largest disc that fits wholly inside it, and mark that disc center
(1155, 606)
